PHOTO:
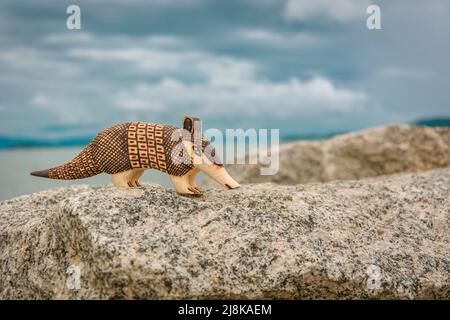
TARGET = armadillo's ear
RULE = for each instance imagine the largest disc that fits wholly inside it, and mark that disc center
(192, 124)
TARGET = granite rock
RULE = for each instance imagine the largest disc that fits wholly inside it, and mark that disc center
(384, 237)
(378, 151)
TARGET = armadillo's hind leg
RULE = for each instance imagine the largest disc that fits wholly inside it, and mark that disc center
(123, 179)
(136, 175)
(182, 186)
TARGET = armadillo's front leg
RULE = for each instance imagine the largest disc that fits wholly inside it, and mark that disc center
(123, 179)
(192, 183)
(182, 186)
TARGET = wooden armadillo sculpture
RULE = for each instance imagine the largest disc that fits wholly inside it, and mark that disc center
(126, 150)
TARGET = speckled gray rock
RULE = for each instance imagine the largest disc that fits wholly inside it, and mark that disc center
(385, 237)
(378, 151)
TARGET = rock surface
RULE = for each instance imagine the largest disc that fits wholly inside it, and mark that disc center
(385, 237)
(377, 151)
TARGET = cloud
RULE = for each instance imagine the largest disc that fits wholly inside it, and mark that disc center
(152, 2)
(67, 38)
(252, 97)
(190, 79)
(271, 38)
(408, 73)
(86, 39)
(29, 61)
(336, 10)
(65, 110)
(160, 56)
(40, 100)
(124, 100)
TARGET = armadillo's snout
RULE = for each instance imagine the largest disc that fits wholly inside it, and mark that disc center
(230, 187)
(219, 174)
(232, 184)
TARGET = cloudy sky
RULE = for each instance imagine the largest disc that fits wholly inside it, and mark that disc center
(301, 66)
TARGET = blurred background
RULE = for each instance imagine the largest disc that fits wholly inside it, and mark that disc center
(309, 68)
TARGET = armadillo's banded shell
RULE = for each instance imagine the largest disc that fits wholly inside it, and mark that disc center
(81, 166)
(110, 149)
(157, 146)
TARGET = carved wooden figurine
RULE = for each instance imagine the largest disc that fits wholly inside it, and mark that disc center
(126, 150)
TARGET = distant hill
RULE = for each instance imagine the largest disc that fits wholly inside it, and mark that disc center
(10, 142)
(436, 122)
(295, 137)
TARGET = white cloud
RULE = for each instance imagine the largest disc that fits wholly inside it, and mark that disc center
(123, 100)
(165, 41)
(145, 58)
(68, 38)
(30, 61)
(336, 10)
(397, 72)
(153, 2)
(40, 100)
(188, 79)
(158, 61)
(281, 40)
(64, 109)
(86, 39)
(250, 97)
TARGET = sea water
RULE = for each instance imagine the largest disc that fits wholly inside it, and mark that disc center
(16, 165)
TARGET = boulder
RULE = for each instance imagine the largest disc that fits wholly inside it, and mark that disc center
(378, 151)
(384, 237)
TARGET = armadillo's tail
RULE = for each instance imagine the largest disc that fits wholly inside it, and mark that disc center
(41, 173)
(82, 166)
